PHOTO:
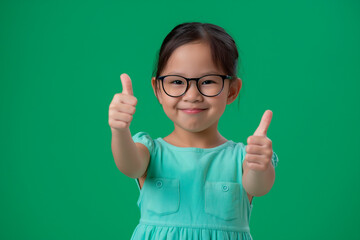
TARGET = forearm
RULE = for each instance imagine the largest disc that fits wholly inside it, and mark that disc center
(259, 183)
(125, 153)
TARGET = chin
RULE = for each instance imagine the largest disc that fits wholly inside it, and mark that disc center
(193, 129)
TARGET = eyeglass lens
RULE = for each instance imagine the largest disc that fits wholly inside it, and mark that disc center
(208, 85)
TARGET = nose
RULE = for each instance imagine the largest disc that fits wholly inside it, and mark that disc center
(192, 93)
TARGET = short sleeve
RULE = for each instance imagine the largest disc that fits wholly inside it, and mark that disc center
(144, 138)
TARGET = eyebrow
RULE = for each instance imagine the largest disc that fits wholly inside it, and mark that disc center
(181, 74)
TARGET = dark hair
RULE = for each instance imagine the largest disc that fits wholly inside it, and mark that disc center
(223, 48)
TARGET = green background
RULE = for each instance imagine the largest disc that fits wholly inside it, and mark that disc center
(60, 68)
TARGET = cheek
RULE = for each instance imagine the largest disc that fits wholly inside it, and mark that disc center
(220, 100)
(170, 110)
(168, 104)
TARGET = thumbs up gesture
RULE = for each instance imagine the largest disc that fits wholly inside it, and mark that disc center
(259, 149)
(122, 106)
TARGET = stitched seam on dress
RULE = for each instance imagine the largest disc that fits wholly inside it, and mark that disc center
(207, 226)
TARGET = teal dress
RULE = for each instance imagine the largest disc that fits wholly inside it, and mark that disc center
(193, 193)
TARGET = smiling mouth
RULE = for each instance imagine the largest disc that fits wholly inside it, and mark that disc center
(193, 110)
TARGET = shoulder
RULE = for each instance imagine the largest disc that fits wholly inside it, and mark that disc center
(238, 148)
(144, 140)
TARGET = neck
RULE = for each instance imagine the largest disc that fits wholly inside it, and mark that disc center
(207, 138)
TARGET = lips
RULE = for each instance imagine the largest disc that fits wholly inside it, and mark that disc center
(192, 110)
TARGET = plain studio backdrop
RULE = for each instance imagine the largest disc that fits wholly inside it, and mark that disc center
(60, 68)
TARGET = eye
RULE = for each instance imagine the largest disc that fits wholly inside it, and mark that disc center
(177, 82)
(206, 82)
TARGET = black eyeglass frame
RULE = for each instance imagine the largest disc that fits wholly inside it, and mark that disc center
(197, 83)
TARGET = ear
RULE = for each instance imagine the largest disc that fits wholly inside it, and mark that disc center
(234, 89)
(158, 91)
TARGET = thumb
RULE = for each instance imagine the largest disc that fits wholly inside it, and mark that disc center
(264, 124)
(126, 84)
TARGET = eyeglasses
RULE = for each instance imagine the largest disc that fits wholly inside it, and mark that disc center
(209, 85)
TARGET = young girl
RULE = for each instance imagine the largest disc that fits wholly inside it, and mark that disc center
(194, 183)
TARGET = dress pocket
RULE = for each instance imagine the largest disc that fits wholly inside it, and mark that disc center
(222, 199)
(163, 195)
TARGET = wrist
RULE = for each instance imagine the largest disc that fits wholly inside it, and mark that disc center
(119, 131)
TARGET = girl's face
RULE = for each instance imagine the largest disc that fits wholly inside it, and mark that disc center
(194, 60)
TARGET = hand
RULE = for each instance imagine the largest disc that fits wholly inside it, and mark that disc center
(122, 106)
(259, 149)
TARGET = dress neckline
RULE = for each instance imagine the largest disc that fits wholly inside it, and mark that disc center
(223, 145)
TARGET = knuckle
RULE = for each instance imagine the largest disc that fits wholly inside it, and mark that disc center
(131, 110)
(269, 152)
(112, 104)
(249, 148)
(112, 109)
(135, 100)
(130, 118)
(117, 96)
